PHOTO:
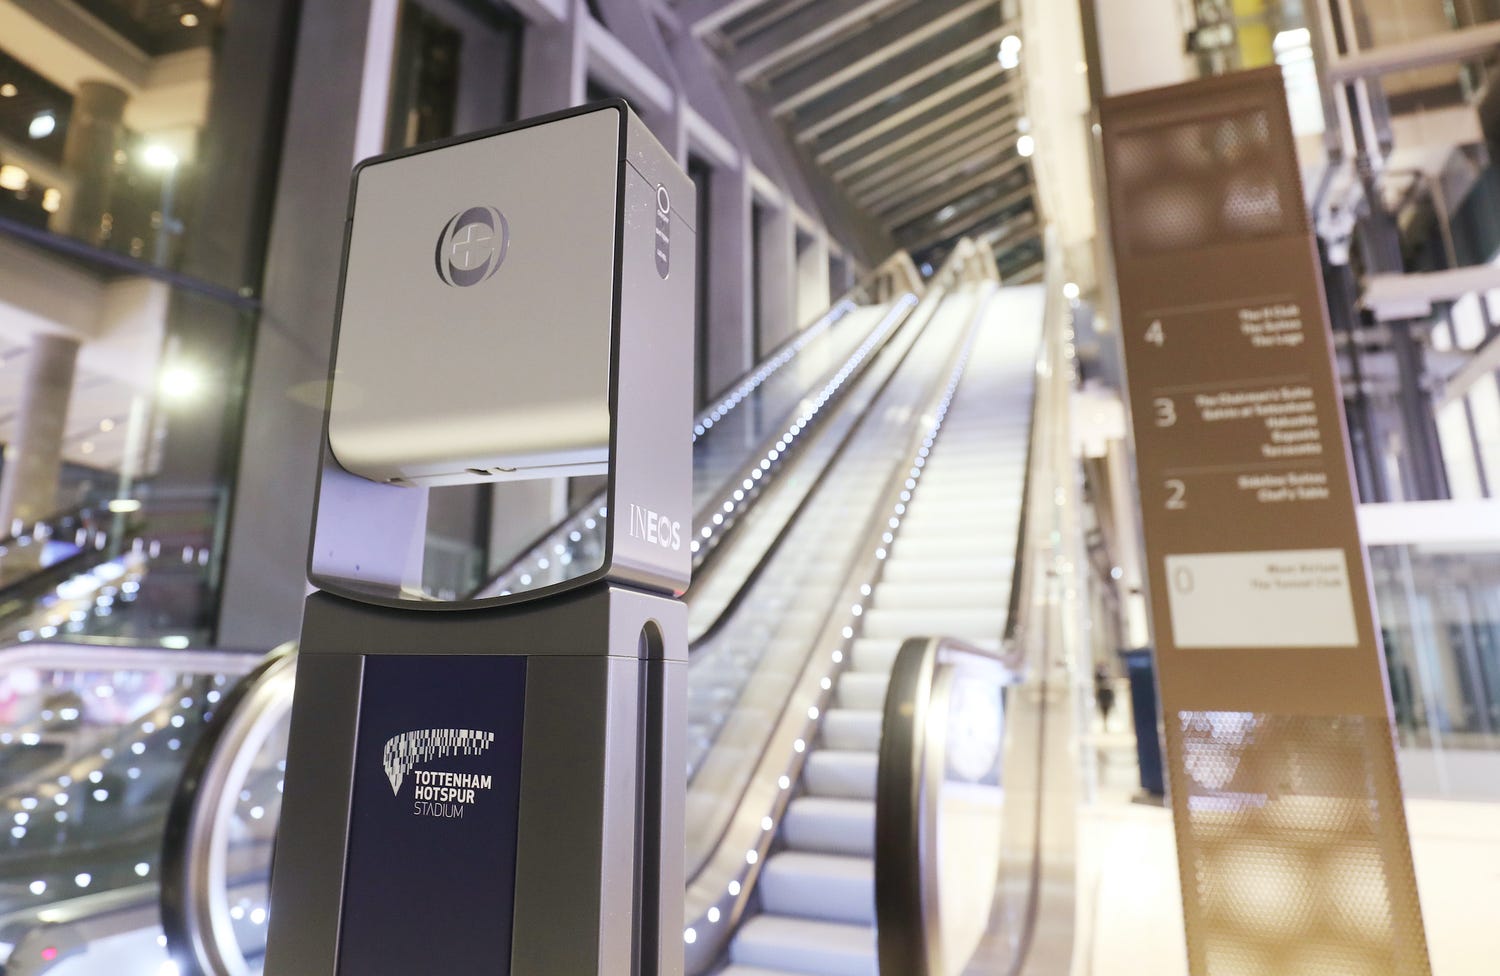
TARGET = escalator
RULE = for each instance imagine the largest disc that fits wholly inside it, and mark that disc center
(948, 571)
(797, 622)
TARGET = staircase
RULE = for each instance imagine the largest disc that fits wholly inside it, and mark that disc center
(949, 573)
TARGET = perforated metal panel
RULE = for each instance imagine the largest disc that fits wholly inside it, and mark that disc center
(1201, 182)
(1285, 843)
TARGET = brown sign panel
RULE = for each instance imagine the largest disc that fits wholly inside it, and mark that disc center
(1276, 710)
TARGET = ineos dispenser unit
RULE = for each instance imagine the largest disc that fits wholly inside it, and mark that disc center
(496, 786)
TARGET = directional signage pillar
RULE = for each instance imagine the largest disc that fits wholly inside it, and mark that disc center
(1291, 835)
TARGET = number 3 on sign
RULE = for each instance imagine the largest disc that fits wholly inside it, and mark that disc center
(1166, 411)
(1176, 494)
(1155, 334)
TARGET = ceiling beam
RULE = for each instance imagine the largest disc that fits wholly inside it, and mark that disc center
(860, 131)
(954, 167)
(951, 233)
(704, 16)
(982, 223)
(936, 200)
(883, 40)
(870, 168)
(800, 32)
(901, 72)
(917, 134)
(916, 238)
(933, 156)
(1020, 223)
(1030, 271)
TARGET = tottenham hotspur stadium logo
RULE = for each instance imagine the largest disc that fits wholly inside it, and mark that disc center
(437, 793)
(471, 246)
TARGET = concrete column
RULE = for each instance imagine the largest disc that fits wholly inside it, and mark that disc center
(553, 65)
(265, 577)
(730, 272)
(28, 487)
(813, 292)
(96, 131)
(777, 277)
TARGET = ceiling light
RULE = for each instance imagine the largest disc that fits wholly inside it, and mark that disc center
(188, 20)
(180, 383)
(14, 178)
(43, 124)
(8, 90)
(52, 199)
(157, 156)
(1026, 145)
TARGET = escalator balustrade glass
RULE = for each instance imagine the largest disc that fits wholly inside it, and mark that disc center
(94, 743)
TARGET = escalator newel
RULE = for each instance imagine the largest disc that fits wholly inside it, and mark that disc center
(496, 785)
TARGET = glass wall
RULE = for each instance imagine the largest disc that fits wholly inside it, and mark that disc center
(129, 275)
(1440, 617)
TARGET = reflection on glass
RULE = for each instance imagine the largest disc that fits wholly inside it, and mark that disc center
(1439, 613)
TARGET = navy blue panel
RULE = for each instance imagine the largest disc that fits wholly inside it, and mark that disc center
(432, 839)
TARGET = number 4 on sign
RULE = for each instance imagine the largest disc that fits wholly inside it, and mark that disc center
(1155, 334)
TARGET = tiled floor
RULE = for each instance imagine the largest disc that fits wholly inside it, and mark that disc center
(1129, 909)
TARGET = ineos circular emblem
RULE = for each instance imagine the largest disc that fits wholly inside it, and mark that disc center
(472, 246)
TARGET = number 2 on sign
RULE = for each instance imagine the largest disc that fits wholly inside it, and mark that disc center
(1176, 494)
(1155, 334)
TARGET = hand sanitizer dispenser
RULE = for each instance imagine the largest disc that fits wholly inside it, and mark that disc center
(496, 786)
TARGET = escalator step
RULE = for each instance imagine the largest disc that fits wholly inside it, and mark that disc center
(964, 624)
(856, 729)
(798, 945)
(912, 596)
(875, 655)
(831, 887)
(986, 567)
(834, 772)
(830, 825)
(864, 689)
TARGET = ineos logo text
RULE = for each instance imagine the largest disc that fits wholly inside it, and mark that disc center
(471, 246)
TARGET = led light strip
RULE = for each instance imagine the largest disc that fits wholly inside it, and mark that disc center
(714, 414)
(758, 469)
(541, 557)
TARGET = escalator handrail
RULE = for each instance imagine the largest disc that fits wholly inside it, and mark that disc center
(1021, 573)
(904, 829)
(862, 359)
(908, 914)
(861, 288)
(188, 832)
